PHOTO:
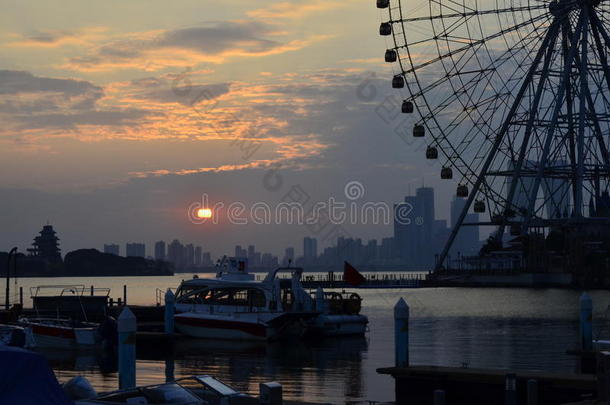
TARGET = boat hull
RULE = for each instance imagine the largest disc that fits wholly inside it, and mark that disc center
(211, 328)
(61, 336)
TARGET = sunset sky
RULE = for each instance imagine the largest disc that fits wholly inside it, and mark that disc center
(117, 115)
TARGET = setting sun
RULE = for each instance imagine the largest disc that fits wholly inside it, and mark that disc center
(204, 213)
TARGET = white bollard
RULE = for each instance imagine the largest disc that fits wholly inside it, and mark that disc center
(127, 349)
(320, 301)
(439, 397)
(532, 392)
(510, 393)
(401, 333)
(170, 303)
(586, 322)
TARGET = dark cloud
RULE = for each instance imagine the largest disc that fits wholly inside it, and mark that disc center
(70, 120)
(15, 82)
(218, 37)
(211, 39)
(187, 95)
(48, 37)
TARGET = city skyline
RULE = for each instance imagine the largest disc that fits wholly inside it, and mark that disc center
(416, 239)
(223, 121)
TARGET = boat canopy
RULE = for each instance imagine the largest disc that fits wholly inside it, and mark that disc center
(27, 370)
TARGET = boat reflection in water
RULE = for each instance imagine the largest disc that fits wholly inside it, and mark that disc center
(330, 368)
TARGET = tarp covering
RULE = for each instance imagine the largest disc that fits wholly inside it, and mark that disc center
(27, 379)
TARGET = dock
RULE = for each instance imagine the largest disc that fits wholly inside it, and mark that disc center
(416, 385)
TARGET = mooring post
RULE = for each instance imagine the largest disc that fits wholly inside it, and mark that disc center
(21, 296)
(401, 333)
(586, 322)
(320, 303)
(603, 377)
(439, 397)
(127, 349)
(532, 392)
(169, 369)
(92, 291)
(124, 294)
(170, 301)
(510, 393)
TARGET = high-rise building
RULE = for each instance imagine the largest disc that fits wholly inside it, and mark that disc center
(135, 249)
(189, 255)
(206, 259)
(175, 254)
(197, 260)
(112, 248)
(160, 250)
(310, 250)
(239, 252)
(288, 256)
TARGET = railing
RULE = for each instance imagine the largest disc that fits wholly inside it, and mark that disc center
(160, 295)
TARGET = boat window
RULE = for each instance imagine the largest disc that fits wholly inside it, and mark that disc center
(188, 291)
(256, 298)
(246, 297)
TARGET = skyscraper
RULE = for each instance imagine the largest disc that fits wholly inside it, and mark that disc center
(175, 254)
(288, 256)
(310, 250)
(135, 249)
(189, 255)
(112, 248)
(198, 258)
(160, 250)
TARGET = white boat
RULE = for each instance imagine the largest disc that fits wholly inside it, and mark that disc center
(237, 307)
(57, 332)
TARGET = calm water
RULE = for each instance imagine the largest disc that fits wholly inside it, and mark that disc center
(499, 328)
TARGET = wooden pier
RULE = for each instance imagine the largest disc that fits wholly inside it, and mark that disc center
(416, 385)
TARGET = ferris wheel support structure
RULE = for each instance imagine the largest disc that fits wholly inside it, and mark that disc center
(534, 116)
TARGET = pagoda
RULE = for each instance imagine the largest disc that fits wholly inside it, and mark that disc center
(46, 245)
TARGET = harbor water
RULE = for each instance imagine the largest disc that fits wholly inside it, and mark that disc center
(528, 329)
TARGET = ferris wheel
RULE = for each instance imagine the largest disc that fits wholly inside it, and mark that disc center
(512, 96)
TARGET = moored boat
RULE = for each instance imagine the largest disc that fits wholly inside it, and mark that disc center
(235, 306)
(57, 332)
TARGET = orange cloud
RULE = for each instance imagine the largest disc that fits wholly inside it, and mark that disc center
(294, 9)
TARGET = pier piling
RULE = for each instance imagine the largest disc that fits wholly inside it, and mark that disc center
(170, 301)
(127, 327)
(439, 397)
(532, 392)
(510, 393)
(586, 322)
(124, 294)
(401, 333)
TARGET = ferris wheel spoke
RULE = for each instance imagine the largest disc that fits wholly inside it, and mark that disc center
(496, 144)
(473, 44)
(530, 123)
(458, 14)
(597, 26)
(568, 63)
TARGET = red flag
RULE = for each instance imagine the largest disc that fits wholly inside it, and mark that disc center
(351, 275)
